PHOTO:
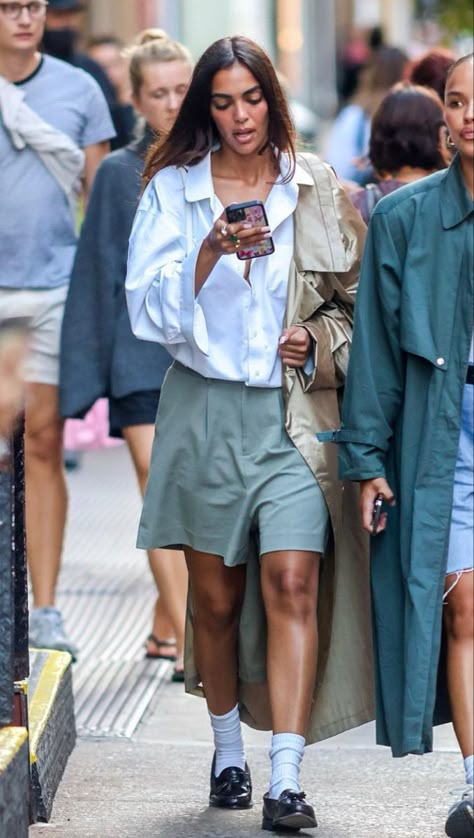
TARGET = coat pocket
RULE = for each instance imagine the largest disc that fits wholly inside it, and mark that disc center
(422, 344)
(426, 322)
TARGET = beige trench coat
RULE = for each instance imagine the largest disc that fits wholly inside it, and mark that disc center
(329, 236)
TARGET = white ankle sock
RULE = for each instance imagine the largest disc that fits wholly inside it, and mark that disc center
(228, 740)
(469, 769)
(286, 755)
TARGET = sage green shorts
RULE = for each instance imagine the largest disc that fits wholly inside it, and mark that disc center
(224, 471)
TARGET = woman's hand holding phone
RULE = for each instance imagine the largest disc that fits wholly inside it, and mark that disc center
(371, 491)
(225, 238)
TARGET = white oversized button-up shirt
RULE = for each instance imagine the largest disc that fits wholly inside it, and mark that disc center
(231, 329)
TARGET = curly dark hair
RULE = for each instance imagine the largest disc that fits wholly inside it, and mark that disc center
(194, 133)
(405, 130)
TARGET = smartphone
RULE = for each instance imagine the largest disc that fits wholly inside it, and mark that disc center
(376, 513)
(251, 212)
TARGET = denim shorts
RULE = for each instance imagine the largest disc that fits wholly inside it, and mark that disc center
(224, 471)
(461, 536)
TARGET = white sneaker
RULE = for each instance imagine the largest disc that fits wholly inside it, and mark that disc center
(460, 822)
(47, 631)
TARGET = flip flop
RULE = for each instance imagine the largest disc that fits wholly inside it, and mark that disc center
(158, 643)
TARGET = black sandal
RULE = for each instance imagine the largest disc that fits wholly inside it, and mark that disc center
(157, 642)
(178, 672)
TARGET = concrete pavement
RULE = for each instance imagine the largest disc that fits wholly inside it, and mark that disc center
(156, 784)
(153, 781)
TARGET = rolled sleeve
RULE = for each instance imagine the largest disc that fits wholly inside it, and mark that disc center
(360, 462)
(160, 283)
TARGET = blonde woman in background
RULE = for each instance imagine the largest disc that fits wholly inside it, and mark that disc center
(100, 355)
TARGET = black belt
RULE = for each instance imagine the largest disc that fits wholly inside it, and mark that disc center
(470, 374)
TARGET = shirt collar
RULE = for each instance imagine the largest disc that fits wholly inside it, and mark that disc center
(199, 178)
(456, 203)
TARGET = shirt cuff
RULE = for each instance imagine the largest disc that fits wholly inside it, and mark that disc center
(308, 368)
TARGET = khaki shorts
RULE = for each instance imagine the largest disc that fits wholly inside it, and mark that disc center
(45, 307)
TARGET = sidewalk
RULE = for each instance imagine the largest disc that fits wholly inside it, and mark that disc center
(141, 766)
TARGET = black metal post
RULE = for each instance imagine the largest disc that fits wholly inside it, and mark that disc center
(14, 664)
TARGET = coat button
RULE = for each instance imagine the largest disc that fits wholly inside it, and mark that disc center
(440, 361)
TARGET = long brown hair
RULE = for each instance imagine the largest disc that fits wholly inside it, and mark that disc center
(194, 133)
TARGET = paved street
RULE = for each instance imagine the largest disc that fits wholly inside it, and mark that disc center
(141, 765)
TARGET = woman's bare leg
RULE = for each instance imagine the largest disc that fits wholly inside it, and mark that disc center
(217, 594)
(290, 581)
(167, 566)
(161, 630)
(459, 622)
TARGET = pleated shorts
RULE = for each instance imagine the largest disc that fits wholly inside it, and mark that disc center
(224, 472)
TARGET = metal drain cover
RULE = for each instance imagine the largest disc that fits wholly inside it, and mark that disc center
(106, 595)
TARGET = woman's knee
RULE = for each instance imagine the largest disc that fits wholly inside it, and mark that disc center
(215, 611)
(292, 591)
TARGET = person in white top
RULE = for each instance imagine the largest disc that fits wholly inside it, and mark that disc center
(224, 472)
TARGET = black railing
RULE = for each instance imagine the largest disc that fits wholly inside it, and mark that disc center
(14, 664)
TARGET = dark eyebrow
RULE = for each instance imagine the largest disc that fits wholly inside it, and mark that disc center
(245, 93)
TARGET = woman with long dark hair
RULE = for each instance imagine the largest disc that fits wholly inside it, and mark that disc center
(237, 476)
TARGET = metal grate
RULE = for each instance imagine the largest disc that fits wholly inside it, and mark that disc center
(107, 595)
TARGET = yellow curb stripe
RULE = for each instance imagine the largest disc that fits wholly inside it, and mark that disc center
(42, 701)
(11, 740)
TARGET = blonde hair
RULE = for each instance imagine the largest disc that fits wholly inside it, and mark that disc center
(152, 46)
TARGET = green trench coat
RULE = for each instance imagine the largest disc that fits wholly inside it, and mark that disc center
(401, 419)
(329, 236)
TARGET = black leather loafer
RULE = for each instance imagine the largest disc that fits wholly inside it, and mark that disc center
(289, 813)
(232, 789)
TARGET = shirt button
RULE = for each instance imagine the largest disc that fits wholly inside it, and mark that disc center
(257, 373)
(440, 361)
